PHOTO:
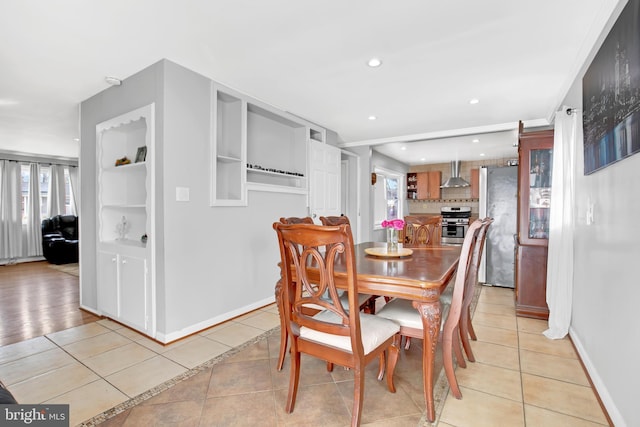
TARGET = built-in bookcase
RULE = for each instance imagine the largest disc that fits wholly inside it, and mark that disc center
(256, 147)
(125, 153)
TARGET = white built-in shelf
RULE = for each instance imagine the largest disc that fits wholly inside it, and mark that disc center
(127, 242)
(227, 159)
(124, 206)
(249, 132)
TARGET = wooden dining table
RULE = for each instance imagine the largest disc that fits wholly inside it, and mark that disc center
(420, 277)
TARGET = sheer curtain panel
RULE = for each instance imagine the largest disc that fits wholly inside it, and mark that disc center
(10, 210)
(75, 189)
(561, 223)
(56, 191)
(34, 228)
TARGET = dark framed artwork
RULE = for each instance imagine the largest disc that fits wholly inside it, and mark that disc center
(141, 155)
(611, 95)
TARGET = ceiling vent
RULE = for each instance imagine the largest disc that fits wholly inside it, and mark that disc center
(455, 181)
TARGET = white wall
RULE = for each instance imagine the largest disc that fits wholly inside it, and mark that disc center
(606, 291)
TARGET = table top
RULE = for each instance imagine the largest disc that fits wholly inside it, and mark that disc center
(420, 276)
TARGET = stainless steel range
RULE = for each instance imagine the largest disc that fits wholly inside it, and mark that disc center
(455, 223)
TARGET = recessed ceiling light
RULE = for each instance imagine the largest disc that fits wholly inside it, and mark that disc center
(423, 159)
(374, 62)
(372, 118)
(76, 139)
(474, 101)
(481, 154)
(403, 148)
(113, 81)
(475, 141)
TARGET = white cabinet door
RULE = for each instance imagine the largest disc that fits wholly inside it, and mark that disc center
(324, 184)
(108, 284)
(134, 292)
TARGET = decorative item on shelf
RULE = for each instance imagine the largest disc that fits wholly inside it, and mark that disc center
(273, 170)
(122, 228)
(141, 155)
(393, 227)
(144, 238)
(123, 161)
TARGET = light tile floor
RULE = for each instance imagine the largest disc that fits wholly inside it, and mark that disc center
(519, 378)
(102, 364)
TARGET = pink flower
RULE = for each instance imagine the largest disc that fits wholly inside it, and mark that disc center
(397, 224)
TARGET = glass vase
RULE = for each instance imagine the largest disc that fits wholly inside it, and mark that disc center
(392, 240)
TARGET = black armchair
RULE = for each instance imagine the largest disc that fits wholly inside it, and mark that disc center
(60, 239)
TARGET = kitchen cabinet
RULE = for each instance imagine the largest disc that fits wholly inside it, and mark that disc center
(535, 151)
(124, 291)
(531, 281)
(412, 186)
(428, 185)
(474, 184)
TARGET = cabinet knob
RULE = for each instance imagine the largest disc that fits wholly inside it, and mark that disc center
(113, 259)
(124, 261)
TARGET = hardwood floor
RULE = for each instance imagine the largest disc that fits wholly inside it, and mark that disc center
(36, 299)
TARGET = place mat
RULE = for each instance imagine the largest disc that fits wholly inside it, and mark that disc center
(382, 252)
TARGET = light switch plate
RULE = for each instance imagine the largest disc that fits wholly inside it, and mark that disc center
(182, 194)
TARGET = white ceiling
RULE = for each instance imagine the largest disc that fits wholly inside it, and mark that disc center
(518, 57)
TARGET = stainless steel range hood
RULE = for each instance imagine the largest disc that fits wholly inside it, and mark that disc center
(455, 181)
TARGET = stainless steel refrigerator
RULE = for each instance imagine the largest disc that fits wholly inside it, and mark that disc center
(499, 200)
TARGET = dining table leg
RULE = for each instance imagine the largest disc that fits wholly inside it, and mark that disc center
(430, 313)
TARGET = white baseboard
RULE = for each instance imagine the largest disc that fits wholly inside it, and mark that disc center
(91, 310)
(599, 385)
(201, 326)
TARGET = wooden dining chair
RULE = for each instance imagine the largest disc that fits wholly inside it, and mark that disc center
(466, 328)
(279, 296)
(366, 302)
(334, 220)
(297, 220)
(342, 336)
(410, 321)
(422, 230)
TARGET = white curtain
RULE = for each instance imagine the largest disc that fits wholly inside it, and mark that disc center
(561, 224)
(10, 210)
(75, 190)
(34, 229)
(56, 191)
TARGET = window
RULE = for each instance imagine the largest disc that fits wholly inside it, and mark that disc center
(388, 196)
(43, 180)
